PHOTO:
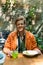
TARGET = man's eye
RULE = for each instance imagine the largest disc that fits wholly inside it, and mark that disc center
(18, 24)
(21, 24)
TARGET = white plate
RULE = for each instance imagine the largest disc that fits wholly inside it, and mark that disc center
(30, 53)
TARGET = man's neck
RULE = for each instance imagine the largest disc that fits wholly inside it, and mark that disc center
(21, 33)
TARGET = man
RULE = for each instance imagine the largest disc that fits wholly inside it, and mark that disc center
(20, 39)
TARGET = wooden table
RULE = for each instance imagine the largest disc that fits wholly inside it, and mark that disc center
(22, 60)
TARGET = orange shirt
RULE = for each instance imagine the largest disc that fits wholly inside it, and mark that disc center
(30, 42)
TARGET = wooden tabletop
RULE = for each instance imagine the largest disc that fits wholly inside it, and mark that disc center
(23, 60)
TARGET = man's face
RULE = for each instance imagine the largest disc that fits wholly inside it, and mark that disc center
(20, 25)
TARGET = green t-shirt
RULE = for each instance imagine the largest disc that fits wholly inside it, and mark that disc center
(21, 44)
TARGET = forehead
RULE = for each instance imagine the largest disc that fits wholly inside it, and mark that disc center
(20, 21)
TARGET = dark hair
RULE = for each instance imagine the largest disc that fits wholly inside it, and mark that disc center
(20, 18)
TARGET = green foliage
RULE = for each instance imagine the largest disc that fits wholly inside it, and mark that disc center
(32, 12)
(39, 42)
(4, 25)
(5, 7)
(18, 9)
(30, 15)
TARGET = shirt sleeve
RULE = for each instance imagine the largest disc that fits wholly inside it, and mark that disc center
(33, 42)
(8, 42)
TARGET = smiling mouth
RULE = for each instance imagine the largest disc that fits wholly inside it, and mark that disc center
(20, 29)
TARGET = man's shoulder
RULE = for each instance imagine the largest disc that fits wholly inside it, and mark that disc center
(13, 33)
(29, 34)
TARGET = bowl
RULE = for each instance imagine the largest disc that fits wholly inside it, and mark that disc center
(2, 57)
